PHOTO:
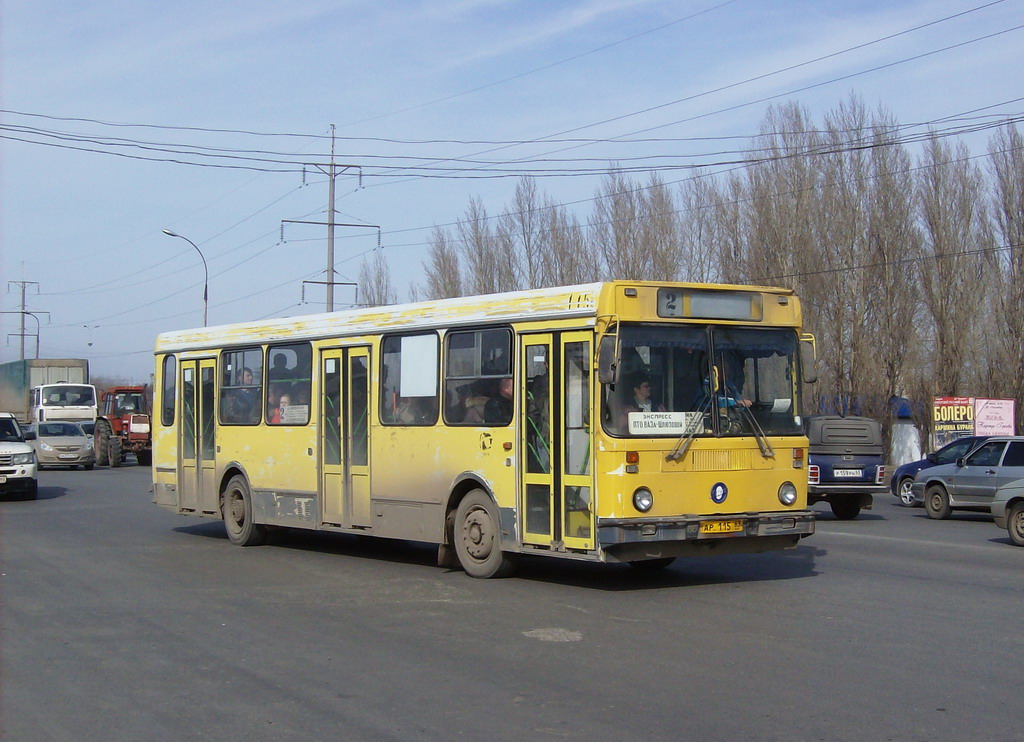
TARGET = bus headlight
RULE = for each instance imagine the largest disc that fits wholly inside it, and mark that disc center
(643, 500)
(787, 493)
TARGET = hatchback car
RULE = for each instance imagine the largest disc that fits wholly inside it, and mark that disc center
(971, 482)
(904, 475)
(63, 444)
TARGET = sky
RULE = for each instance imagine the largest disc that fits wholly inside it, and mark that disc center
(214, 120)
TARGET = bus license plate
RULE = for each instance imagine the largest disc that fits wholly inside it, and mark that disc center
(721, 526)
(848, 472)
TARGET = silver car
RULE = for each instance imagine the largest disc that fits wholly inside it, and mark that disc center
(971, 482)
(1008, 510)
(63, 444)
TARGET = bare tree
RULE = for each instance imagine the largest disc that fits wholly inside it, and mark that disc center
(479, 252)
(375, 281)
(952, 217)
(615, 229)
(1006, 153)
(443, 280)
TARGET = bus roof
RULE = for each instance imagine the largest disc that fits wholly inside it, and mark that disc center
(560, 302)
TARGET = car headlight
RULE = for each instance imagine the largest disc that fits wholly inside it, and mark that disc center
(643, 500)
(787, 494)
(45, 446)
(88, 445)
(23, 458)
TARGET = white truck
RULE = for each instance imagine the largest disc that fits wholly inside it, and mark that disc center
(24, 389)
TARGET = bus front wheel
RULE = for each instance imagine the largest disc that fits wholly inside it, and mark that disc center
(238, 520)
(477, 537)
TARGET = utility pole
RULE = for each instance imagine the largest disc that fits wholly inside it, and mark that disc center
(330, 229)
(24, 285)
(332, 170)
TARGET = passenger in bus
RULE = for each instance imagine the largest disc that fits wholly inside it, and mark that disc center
(280, 371)
(417, 410)
(498, 410)
(282, 404)
(479, 394)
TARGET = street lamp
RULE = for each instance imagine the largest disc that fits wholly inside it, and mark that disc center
(206, 272)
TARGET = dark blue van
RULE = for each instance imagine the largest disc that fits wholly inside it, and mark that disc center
(845, 463)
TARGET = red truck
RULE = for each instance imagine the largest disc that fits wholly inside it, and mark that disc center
(123, 427)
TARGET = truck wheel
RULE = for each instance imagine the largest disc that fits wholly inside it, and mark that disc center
(936, 502)
(101, 440)
(478, 539)
(904, 493)
(847, 509)
(238, 520)
(1015, 524)
(114, 451)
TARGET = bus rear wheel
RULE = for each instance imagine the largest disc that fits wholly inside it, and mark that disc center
(238, 520)
(477, 537)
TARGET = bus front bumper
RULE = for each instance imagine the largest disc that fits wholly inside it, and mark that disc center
(634, 539)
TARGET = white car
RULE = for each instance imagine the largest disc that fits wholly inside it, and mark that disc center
(17, 460)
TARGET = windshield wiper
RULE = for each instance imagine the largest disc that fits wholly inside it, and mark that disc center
(762, 440)
(683, 444)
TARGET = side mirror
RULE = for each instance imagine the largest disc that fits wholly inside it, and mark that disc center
(932, 458)
(808, 367)
(608, 360)
(29, 435)
(961, 463)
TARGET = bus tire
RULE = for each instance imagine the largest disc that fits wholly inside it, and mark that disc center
(237, 514)
(477, 537)
(652, 565)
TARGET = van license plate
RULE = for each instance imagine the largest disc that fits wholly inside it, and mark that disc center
(848, 472)
(721, 526)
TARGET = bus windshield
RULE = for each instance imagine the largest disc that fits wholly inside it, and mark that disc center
(703, 381)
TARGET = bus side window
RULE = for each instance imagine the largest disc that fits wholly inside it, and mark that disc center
(409, 379)
(478, 366)
(241, 386)
(168, 390)
(289, 372)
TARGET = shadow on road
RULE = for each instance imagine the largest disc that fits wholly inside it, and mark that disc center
(705, 570)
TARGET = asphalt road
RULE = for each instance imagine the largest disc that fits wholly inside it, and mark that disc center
(122, 621)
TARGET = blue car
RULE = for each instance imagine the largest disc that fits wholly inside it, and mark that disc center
(904, 475)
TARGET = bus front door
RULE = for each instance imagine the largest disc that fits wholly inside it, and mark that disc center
(198, 436)
(344, 437)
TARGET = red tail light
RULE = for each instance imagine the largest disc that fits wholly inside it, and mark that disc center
(813, 474)
(880, 475)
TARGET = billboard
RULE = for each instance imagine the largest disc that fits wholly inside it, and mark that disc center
(955, 417)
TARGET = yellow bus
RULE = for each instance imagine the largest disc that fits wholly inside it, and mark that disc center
(625, 421)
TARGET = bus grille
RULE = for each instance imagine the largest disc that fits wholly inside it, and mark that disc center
(720, 460)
